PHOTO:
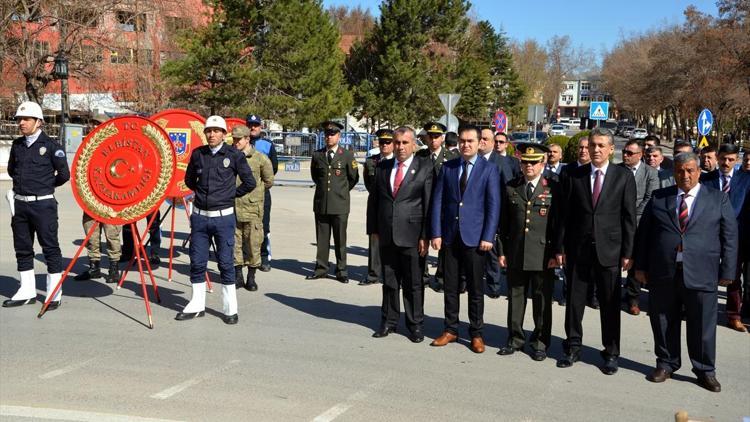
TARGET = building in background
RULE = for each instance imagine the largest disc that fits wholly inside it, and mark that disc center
(576, 97)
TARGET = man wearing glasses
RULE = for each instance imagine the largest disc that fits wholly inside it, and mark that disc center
(646, 181)
(335, 172)
(385, 145)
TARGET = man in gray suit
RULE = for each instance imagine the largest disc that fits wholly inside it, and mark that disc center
(686, 248)
(646, 181)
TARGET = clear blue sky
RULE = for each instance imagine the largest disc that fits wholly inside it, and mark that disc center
(596, 25)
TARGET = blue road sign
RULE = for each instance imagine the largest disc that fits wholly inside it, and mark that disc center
(599, 110)
(705, 122)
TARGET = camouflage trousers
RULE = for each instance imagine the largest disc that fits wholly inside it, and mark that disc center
(112, 233)
(248, 236)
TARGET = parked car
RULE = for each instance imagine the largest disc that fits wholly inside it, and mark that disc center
(574, 123)
(557, 129)
(541, 137)
(638, 133)
(519, 137)
(627, 131)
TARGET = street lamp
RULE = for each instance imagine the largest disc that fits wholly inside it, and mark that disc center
(60, 72)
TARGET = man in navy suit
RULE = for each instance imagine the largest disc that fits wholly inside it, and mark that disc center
(736, 184)
(596, 242)
(397, 214)
(687, 247)
(465, 212)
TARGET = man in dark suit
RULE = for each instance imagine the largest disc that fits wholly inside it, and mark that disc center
(736, 185)
(397, 214)
(464, 215)
(687, 247)
(595, 240)
(646, 181)
(335, 172)
(652, 141)
(554, 159)
(511, 165)
(385, 144)
(527, 224)
(438, 155)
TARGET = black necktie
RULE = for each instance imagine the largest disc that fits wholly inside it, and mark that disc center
(529, 190)
(464, 177)
(330, 156)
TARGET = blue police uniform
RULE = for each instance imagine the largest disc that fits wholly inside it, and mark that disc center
(212, 176)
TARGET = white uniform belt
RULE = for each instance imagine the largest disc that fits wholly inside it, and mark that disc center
(217, 213)
(32, 198)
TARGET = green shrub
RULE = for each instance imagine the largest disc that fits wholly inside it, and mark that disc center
(561, 140)
(570, 151)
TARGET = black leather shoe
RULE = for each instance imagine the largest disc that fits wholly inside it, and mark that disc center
(383, 332)
(230, 319)
(538, 355)
(184, 316)
(710, 383)
(314, 276)
(507, 350)
(416, 336)
(342, 279)
(265, 267)
(53, 305)
(13, 303)
(659, 375)
(493, 295)
(610, 366)
(154, 259)
(367, 282)
(568, 360)
(593, 303)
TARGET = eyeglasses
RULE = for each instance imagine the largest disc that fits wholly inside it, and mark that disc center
(502, 142)
(388, 142)
(629, 153)
(331, 132)
(529, 163)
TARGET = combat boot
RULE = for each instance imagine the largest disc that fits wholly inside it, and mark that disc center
(251, 284)
(238, 278)
(114, 272)
(94, 271)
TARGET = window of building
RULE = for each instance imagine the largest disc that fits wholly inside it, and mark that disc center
(570, 86)
(130, 22)
(585, 86)
(41, 49)
(88, 54)
(121, 56)
(175, 24)
(585, 97)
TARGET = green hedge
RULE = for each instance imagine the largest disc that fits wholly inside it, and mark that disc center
(570, 151)
(561, 140)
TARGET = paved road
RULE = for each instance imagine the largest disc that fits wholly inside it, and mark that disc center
(302, 351)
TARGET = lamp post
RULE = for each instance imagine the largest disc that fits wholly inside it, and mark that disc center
(60, 73)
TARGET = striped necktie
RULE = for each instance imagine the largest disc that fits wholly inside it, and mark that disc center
(683, 217)
(725, 183)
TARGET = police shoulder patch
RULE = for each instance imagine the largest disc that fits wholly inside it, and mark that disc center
(60, 153)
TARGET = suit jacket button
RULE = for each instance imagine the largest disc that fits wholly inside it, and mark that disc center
(526, 229)
(460, 204)
(456, 218)
(528, 221)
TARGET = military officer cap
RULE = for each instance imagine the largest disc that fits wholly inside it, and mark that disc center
(435, 128)
(384, 135)
(532, 152)
(331, 125)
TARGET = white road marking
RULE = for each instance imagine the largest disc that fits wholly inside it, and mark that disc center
(338, 409)
(70, 415)
(171, 391)
(65, 369)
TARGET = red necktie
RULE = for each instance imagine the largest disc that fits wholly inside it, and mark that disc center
(597, 187)
(399, 178)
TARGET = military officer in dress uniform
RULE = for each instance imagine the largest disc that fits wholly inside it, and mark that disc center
(37, 166)
(439, 154)
(248, 236)
(212, 173)
(385, 144)
(335, 172)
(527, 221)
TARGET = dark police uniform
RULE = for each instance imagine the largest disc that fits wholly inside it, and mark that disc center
(374, 270)
(333, 179)
(266, 147)
(213, 179)
(526, 232)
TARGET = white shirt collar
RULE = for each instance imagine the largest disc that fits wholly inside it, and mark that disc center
(487, 156)
(692, 192)
(503, 153)
(637, 166)
(216, 149)
(535, 181)
(387, 157)
(407, 162)
(32, 138)
(603, 169)
(730, 175)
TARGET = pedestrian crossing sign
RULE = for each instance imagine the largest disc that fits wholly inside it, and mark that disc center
(599, 110)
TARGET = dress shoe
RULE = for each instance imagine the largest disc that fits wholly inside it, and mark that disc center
(538, 355)
(507, 350)
(367, 282)
(230, 319)
(710, 383)
(53, 305)
(659, 375)
(342, 279)
(634, 310)
(383, 332)
(445, 338)
(436, 286)
(737, 325)
(568, 360)
(154, 259)
(314, 276)
(477, 345)
(610, 366)
(593, 303)
(13, 303)
(265, 267)
(493, 295)
(184, 316)
(416, 336)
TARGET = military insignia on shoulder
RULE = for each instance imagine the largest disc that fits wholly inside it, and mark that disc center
(60, 153)
(226, 162)
(42, 150)
(354, 164)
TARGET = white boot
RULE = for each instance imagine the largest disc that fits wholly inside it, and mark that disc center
(52, 280)
(28, 286)
(229, 299)
(198, 301)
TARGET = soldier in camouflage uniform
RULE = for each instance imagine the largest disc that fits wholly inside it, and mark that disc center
(248, 234)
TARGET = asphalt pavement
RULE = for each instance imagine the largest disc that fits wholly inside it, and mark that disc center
(303, 349)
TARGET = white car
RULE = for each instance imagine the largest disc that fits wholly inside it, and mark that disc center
(638, 133)
(575, 123)
(556, 130)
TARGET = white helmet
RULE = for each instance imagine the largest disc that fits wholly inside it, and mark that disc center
(216, 121)
(29, 109)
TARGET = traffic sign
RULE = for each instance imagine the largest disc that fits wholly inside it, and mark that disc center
(599, 110)
(450, 121)
(449, 101)
(500, 121)
(705, 122)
